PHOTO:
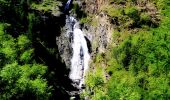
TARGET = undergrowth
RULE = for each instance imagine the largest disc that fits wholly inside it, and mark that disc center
(138, 67)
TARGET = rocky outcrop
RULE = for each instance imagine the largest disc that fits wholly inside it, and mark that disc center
(64, 45)
(99, 35)
(65, 49)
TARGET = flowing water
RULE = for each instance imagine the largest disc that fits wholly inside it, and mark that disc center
(67, 5)
(80, 57)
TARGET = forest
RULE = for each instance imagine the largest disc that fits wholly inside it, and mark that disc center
(134, 66)
(138, 66)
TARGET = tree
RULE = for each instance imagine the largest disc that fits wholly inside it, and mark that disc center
(20, 76)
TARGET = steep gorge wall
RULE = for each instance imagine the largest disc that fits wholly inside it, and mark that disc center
(98, 36)
(100, 33)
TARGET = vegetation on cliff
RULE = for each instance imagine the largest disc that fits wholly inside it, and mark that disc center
(138, 67)
(134, 66)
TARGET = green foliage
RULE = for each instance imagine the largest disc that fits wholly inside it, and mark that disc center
(7, 50)
(145, 17)
(47, 6)
(96, 81)
(138, 67)
(23, 42)
(146, 52)
(144, 58)
(1, 29)
(10, 72)
(112, 11)
(90, 19)
(21, 74)
(31, 18)
(18, 80)
(118, 1)
(27, 56)
(131, 14)
(75, 7)
(122, 86)
(131, 11)
(85, 20)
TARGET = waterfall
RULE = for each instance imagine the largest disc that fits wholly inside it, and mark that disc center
(67, 5)
(80, 57)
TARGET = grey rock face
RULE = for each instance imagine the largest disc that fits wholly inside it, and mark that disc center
(64, 43)
(65, 49)
(99, 36)
(103, 36)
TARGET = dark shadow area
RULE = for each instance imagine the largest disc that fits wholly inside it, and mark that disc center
(67, 7)
(11, 15)
(79, 12)
(88, 44)
(42, 30)
(44, 40)
(128, 57)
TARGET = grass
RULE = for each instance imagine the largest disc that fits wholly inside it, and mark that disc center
(47, 6)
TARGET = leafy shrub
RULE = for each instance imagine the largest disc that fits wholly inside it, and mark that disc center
(139, 65)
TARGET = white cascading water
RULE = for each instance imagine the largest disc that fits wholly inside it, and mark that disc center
(80, 58)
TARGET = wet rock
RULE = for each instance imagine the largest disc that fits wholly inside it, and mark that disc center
(64, 45)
